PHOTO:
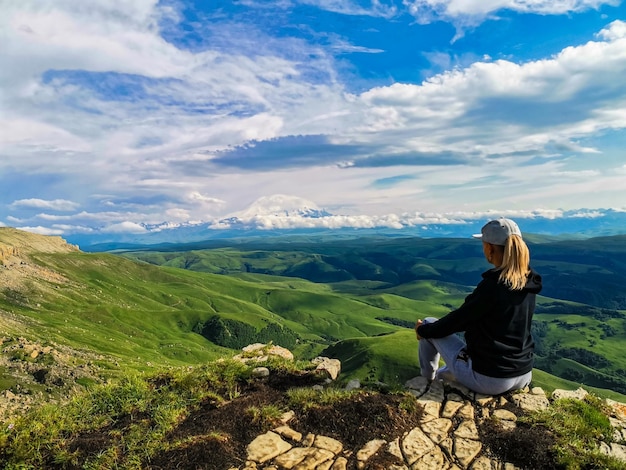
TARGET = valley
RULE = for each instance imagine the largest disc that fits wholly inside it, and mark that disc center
(354, 299)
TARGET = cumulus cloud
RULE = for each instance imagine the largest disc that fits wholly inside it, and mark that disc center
(107, 95)
(502, 107)
(616, 30)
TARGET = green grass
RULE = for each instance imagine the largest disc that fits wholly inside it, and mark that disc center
(133, 418)
(305, 398)
(578, 426)
(143, 316)
(133, 414)
(391, 358)
(549, 383)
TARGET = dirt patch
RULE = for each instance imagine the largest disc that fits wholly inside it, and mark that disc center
(527, 447)
(359, 420)
(225, 431)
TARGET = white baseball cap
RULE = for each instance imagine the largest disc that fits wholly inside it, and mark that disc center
(497, 231)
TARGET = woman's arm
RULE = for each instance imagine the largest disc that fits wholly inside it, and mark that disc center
(475, 305)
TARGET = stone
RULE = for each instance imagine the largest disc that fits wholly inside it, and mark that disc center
(618, 451)
(292, 457)
(312, 459)
(260, 352)
(287, 416)
(434, 444)
(332, 367)
(452, 405)
(260, 372)
(531, 401)
(279, 351)
(368, 450)
(432, 400)
(618, 409)
(481, 463)
(394, 449)
(340, 464)
(328, 443)
(483, 400)
(266, 446)
(415, 444)
(353, 384)
(308, 440)
(504, 415)
(467, 412)
(419, 384)
(467, 429)
(287, 432)
(577, 394)
(325, 465)
(433, 459)
(447, 445)
(463, 390)
(437, 429)
(465, 450)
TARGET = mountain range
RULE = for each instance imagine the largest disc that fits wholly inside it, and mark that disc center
(288, 215)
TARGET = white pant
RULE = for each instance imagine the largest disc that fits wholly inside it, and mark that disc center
(459, 366)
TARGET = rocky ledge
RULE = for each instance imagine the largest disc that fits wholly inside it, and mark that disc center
(447, 437)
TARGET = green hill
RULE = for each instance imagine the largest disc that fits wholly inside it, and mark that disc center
(103, 313)
(581, 307)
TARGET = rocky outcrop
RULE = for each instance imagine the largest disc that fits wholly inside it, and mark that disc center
(19, 265)
(447, 437)
(26, 242)
(6, 252)
(34, 373)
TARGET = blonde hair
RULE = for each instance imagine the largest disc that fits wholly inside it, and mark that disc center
(515, 263)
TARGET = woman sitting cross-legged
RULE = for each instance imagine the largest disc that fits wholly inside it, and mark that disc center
(497, 354)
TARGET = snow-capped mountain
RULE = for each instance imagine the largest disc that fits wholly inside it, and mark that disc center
(282, 214)
(280, 205)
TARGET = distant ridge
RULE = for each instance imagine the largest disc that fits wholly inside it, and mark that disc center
(19, 241)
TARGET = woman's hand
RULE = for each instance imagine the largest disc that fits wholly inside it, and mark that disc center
(419, 322)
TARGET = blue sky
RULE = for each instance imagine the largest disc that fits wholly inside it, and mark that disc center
(114, 115)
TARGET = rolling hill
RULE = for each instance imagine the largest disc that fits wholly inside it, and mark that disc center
(101, 314)
(579, 326)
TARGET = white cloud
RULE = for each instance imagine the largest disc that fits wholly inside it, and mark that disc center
(202, 198)
(498, 118)
(125, 227)
(436, 111)
(42, 230)
(348, 7)
(474, 11)
(57, 204)
(616, 30)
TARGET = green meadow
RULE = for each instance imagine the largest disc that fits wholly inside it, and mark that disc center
(355, 300)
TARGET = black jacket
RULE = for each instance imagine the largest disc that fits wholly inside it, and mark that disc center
(496, 321)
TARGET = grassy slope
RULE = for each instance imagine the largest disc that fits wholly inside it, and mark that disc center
(143, 315)
(411, 278)
(140, 314)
